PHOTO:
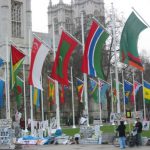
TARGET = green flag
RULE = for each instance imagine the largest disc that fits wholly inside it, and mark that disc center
(60, 67)
(128, 44)
(18, 90)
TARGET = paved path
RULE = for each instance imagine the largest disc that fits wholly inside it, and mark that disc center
(80, 147)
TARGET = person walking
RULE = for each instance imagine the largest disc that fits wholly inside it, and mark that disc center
(138, 127)
(121, 129)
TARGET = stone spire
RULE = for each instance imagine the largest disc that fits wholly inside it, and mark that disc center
(60, 1)
(50, 3)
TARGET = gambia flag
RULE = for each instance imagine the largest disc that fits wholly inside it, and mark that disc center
(92, 58)
(128, 43)
(17, 58)
(51, 90)
(18, 90)
(60, 67)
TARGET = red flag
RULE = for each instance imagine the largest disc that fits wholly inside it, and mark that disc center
(38, 55)
(17, 58)
(65, 48)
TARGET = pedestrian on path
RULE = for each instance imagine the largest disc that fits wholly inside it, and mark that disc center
(121, 129)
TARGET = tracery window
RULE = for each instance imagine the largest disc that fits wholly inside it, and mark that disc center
(16, 18)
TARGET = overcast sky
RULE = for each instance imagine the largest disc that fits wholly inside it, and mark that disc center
(39, 15)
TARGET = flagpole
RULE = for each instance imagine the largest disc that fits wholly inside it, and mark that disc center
(99, 97)
(73, 114)
(134, 94)
(112, 103)
(42, 101)
(31, 97)
(141, 17)
(6, 93)
(143, 97)
(25, 107)
(84, 75)
(115, 52)
(124, 104)
(56, 85)
(8, 75)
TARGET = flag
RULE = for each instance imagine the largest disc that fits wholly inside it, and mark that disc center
(51, 90)
(103, 88)
(61, 94)
(65, 48)
(114, 92)
(93, 90)
(1, 62)
(127, 89)
(80, 89)
(92, 58)
(38, 55)
(36, 93)
(146, 92)
(128, 43)
(2, 84)
(136, 85)
(17, 58)
(18, 90)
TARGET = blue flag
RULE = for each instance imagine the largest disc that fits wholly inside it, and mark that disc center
(2, 83)
(103, 89)
(127, 89)
(1, 62)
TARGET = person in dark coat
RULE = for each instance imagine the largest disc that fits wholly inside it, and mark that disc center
(121, 129)
(138, 127)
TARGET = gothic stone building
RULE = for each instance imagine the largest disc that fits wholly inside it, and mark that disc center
(16, 25)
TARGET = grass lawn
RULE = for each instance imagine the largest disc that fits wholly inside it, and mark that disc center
(106, 129)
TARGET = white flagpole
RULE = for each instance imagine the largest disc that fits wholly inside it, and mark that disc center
(56, 85)
(124, 104)
(42, 101)
(116, 69)
(6, 89)
(99, 97)
(31, 97)
(112, 100)
(143, 97)
(134, 94)
(24, 89)
(7, 76)
(84, 75)
(73, 114)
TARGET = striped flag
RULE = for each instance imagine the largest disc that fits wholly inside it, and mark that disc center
(92, 58)
(80, 89)
(146, 92)
(128, 43)
(38, 55)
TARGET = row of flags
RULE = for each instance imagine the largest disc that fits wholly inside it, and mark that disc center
(91, 62)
